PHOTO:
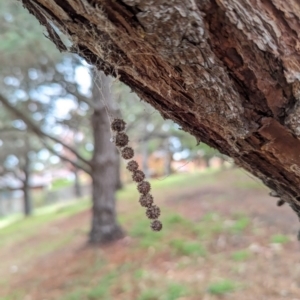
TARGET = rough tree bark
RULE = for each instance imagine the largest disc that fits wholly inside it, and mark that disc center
(227, 71)
(105, 166)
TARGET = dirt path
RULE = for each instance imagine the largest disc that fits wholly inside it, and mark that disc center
(50, 276)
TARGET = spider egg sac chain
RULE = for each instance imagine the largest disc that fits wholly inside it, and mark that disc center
(121, 141)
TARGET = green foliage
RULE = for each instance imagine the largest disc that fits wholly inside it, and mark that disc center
(22, 38)
(197, 178)
(222, 287)
(175, 291)
(147, 237)
(60, 183)
(240, 255)
(76, 295)
(177, 220)
(210, 216)
(240, 224)
(24, 227)
(212, 223)
(139, 273)
(209, 225)
(47, 247)
(102, 289)
(279, 239)
(183, 247)
(149, 294)
(68, 210)
(18, 294)
(172, 292)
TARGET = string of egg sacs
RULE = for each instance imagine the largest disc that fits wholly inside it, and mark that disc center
(146, 199)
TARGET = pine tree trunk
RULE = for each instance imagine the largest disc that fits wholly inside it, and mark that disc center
(105, 167)
(118, 167)
(26, 188)
(117, 114)
(145, 158)
(168, 158)
(145, 147)
(227, 71)
(77, 185)
(27, 201)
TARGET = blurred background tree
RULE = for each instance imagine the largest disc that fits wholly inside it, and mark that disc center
(40, 90)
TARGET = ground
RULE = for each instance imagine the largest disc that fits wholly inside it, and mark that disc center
(223, 237)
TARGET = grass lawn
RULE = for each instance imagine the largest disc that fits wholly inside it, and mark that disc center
(223, 237)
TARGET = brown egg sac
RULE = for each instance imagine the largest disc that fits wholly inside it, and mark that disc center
(153, 212)
(127, 153)
(144, 187)
(118, 125)
(132, 166)
(146, 200)
(156, 225)
(138, 176)
(121, 139)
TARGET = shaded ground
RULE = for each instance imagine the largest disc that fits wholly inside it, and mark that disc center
(223, 237)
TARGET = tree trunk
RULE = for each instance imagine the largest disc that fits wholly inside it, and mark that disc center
(119, 179)
(168, 158)
(207, 161)
(105, 167)
(77, 185)
(26, 188)
(117, 114)
(145, 147)
(227, 71)
(145, 158)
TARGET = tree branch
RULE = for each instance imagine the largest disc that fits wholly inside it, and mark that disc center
(75, 164)
(9, 129)
(236, 94)
(76, 93)
(37, 130)
(18, 176)
(80, 97)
